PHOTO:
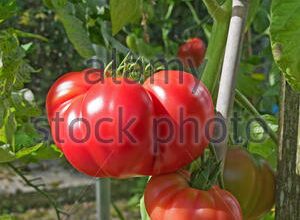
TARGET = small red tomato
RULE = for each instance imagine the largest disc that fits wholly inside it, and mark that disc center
(170, 197)
(193, 51)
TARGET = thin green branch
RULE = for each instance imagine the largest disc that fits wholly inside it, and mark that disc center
(217, 42)
(244, 102)
(118, 211)
(194, 13)
(51, 201)
(215, 54)
(170, 10)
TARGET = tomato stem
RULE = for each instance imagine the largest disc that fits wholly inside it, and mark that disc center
(244, 102)
(215, 53)
(220, 176)
(29, 183)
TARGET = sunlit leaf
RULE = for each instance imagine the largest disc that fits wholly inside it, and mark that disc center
(285, 40)
(124, 12)
(143, 212)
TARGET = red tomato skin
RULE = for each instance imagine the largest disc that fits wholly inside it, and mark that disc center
(251, 182)
(194, 50)
(190, 95)
(169, 196)
(72, 97)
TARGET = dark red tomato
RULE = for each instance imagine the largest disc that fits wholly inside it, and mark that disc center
(193, 51)
(115, 127)
(251, 181)
(169, 196)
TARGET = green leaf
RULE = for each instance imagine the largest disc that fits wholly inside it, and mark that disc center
(22, 139)
(285, 40)
(15, 70)
(6, 154)
(2, 113)
(143, 211)
(58, 3)
(8, 217)
(48, 152)
(114, 42)
(261, 21)
(27, 46)
(95, 3)
(48, 3)
(26, 151)
(76, 33)
(8, 8)
(8, 129)
(269, 216)
(24, 106)
(266, 148)
(145, 49)
(124, 12)
(246, 83)
(254, 6)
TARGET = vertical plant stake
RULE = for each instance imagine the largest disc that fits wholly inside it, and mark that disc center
(102, 184)
(229, 71)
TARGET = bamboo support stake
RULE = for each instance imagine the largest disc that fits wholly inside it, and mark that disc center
(229, 71)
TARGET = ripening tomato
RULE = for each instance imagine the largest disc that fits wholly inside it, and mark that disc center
(169, 196)
(251, 181)
(193, 51)
(115, 127)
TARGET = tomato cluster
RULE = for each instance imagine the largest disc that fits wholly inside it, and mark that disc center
(115, 127)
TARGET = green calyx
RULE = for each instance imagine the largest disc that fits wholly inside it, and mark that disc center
(207, 176)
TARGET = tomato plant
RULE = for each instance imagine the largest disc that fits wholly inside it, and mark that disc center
(251, 181)
(119, 128)
(170, 196)
(192, 52)
(86, 115)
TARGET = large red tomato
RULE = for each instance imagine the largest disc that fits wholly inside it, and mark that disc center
(251, 181)
(169, 196)
(115, 127)
(193, 51)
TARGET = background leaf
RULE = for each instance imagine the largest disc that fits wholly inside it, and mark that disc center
(254, 6)
(267, 148)
(261, 21)
(75, 31)
(48, 152)
(285, 40)
(124, 12)
(8, 8)
(247, 83)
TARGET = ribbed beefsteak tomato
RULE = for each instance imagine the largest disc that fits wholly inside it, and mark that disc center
(170, 197)
(115, 127)
(251, 181)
